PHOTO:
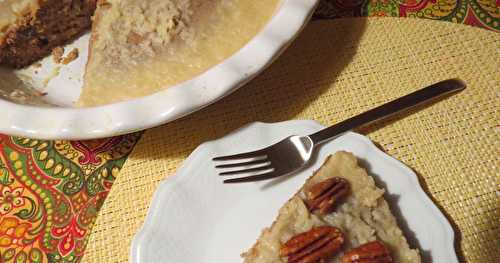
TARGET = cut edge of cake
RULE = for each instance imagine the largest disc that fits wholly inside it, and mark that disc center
(41, 26)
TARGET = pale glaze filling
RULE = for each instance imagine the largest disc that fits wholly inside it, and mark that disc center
(141, 48)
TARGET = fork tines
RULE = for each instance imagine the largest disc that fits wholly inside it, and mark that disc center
(254, 165)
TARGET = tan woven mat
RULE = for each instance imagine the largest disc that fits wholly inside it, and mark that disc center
(334, 70)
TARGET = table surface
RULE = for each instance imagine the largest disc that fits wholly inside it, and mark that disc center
(52, 191)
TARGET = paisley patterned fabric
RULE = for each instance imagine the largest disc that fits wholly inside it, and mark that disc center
(480, 13)
(51, 191)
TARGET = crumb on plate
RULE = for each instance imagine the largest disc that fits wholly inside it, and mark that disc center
(57, 54)
(72, 55)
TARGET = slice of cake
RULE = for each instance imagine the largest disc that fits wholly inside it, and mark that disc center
(30, 29)
(339, 215)
(139, 47)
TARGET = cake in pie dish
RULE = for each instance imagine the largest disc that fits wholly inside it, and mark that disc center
(137, 47)
(30, 29)
(339, 215)
(140, 47)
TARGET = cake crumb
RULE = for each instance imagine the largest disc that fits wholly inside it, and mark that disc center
(57, 54)
(72, 55)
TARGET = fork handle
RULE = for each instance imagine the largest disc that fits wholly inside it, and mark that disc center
(401, 104)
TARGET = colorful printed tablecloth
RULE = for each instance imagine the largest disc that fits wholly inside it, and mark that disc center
(51, 191)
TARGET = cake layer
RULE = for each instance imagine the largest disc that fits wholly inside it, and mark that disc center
(29, 29)
(11, 10)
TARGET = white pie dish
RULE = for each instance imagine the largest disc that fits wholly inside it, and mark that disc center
(194, 217)
(67, 122)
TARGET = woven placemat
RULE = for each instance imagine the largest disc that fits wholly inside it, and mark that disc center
(334, 70)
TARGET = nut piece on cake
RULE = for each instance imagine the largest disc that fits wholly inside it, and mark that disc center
(324, 195)
(317, 244)
(372, 252)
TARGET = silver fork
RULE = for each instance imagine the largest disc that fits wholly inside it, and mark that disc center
(292, 153)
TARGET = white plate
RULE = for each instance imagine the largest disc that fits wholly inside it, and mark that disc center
(66, 122)
(196, 218)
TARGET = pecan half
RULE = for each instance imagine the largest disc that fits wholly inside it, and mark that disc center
(372, 252)
(324, 195)
(315, 245)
